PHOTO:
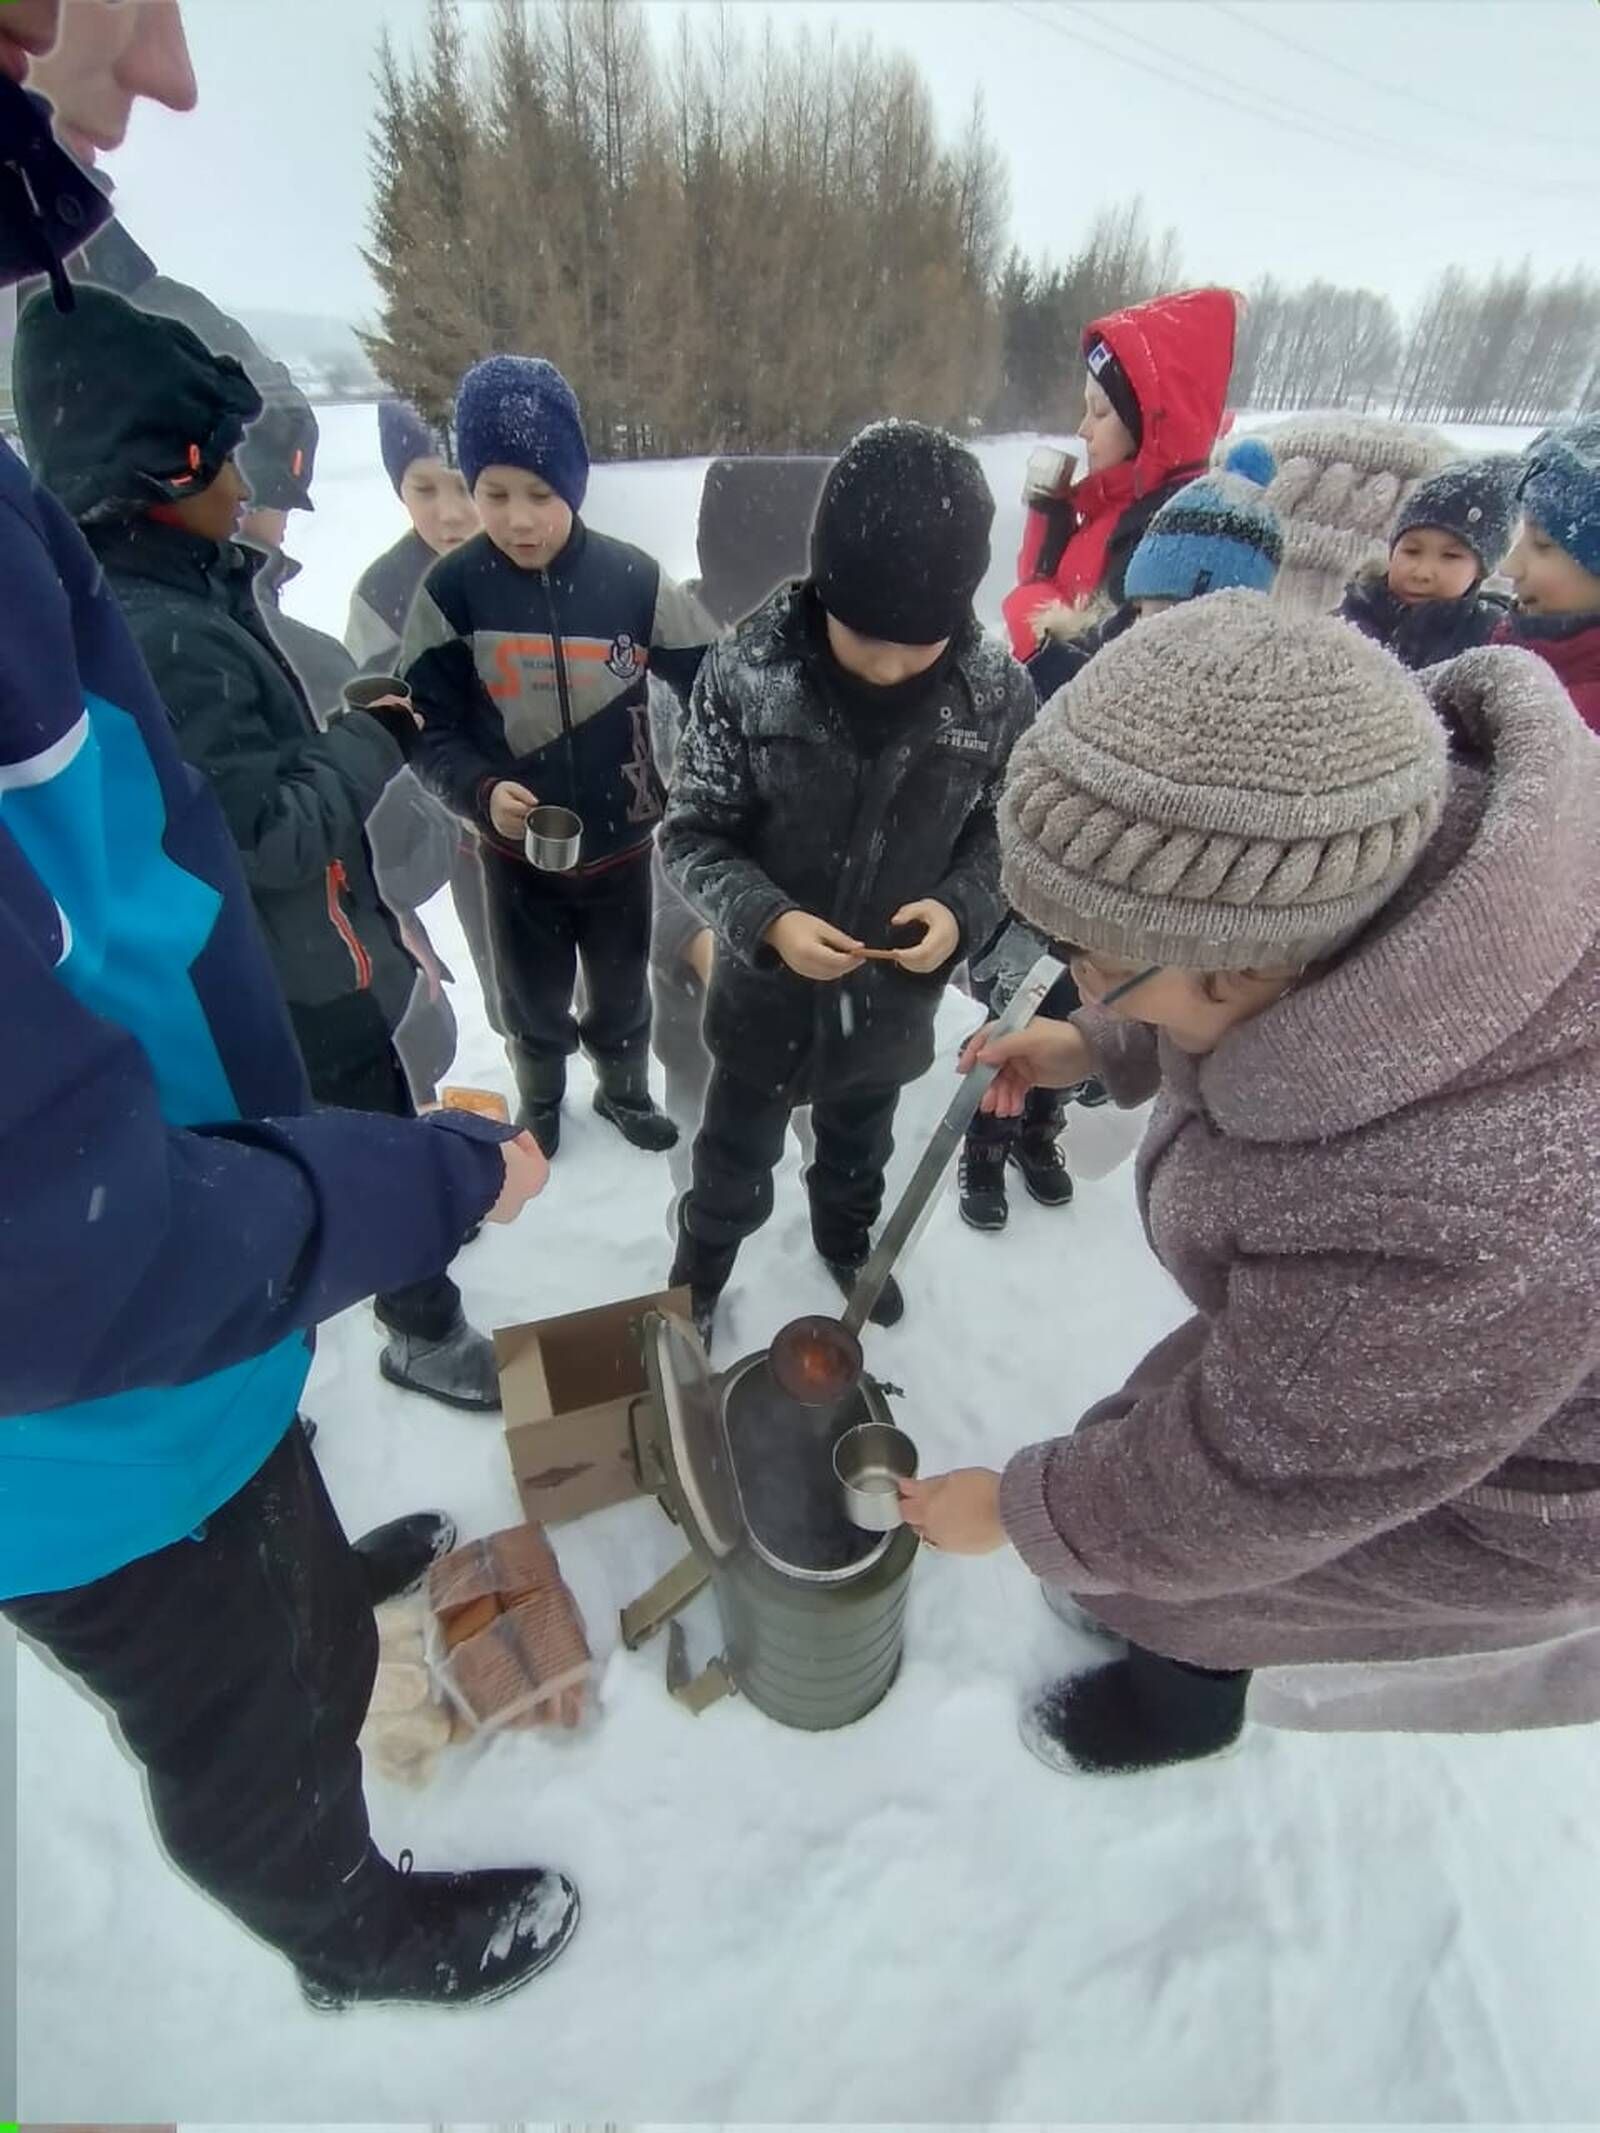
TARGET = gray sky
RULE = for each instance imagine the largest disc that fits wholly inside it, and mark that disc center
(1463, 130)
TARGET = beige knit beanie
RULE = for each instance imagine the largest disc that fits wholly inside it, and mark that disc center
(1225, 787)
(1340, 481)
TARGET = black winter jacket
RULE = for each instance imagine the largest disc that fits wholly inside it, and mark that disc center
(296, 799)
(540, 676)
(781, 801)
(1426, 633)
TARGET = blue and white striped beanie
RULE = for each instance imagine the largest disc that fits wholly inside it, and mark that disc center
(1217, 533)
(1560, 490)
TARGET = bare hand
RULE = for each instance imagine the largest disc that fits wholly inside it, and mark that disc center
(700, 955)
(958, 1512)
(812, 948)
(941, 937)
(1045, 1055)
(527, 1174)
(510, 805)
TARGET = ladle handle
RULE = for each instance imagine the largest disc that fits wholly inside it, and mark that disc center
(912, 1209)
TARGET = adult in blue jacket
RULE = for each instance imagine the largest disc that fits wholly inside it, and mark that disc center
(174, 1221)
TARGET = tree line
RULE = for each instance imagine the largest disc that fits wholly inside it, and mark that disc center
(757, 242)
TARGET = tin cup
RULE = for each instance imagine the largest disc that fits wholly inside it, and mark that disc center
(552, 839)
(369, 689)
(869, 1463)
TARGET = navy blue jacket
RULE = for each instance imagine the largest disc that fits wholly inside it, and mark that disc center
(539, 676)
(173, 1220)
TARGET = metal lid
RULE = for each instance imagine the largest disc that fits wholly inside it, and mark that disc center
(697, 1443)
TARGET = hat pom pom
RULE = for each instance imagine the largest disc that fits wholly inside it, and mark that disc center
(1252, 460)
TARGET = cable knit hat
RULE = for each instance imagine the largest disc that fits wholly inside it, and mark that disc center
(1474, 500)
(1217, 532)
(901, 538)
(1560, 489)
(1226, 787)
(519, 411)
(1340, 481)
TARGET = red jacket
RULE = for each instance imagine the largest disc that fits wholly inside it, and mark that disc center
(1178, 354)
(1575, 657)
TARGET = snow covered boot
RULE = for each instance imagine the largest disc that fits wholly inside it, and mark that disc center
(458, 1370)
(623, 1099)
(1037, 1154)
(449, 1940)
(395, 1557)
(890, 1307)
(983, 1184)
(541, 1084)
(1142, 1712)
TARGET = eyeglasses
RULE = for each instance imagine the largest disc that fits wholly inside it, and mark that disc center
(1067, 950)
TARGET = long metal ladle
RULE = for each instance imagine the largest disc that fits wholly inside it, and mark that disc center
(817, 1360)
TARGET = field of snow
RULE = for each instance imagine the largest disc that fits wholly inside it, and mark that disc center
(909, 1921)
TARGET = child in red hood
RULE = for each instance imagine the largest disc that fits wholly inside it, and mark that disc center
(1153, 408)
(1555, 565)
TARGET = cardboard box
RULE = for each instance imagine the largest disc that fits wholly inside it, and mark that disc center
(566, 1385)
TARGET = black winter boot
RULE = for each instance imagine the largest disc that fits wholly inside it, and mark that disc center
(1143, 1712)
(459, 1369)
(890, 1307)
(395, 1557)
(445, 1940)
(1037, 1154)
(541, 1084)
(623, 1099)
(983, 1184)
(1091, 1094)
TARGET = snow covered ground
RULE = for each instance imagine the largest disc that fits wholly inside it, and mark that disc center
(910, 1921)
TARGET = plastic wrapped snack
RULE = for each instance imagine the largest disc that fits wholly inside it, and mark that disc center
(506, 1642)
(408, 1724)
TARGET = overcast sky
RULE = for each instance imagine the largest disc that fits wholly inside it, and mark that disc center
(1368, 141)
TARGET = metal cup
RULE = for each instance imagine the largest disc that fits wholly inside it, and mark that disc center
(369, 689)
(869, 1463)
(553, 839)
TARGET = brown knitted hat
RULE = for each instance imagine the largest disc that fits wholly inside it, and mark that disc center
(1225, 787)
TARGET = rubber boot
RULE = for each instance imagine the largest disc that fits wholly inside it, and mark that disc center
(623, 1099)
(541, 1085)
(395, 1557)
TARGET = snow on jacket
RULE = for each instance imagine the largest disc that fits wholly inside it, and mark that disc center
(1420, 633)
(781, 801)
(382, 601)
(1568, 643)
(1177, 352)
(1379, 1436)
(296, 799)
(172, 1221)
(540, 676)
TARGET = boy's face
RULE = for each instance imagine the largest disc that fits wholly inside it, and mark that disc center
(883, 665)
(266, 526)
(440, 504)
(215, 513)
(111, 53)
(1548, 581)
(1426, 563)
(28, 29)
(1107, 440)
(523, 516)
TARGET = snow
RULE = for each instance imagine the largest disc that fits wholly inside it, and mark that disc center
(907, 1921)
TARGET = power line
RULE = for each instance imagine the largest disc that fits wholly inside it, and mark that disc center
(1407, 93)
(1224, 88)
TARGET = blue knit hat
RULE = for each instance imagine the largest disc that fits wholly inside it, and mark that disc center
(1217, 532)
(519, 411)
(1560, 489)
(404, 437)
(1474, 499)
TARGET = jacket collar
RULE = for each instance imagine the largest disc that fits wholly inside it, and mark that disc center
(146, 548)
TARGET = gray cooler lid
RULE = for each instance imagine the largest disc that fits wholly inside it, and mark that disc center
(697, 1442)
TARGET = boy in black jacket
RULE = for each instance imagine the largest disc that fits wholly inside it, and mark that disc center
(835, 790)
(1449, 535)
(133, 422)
(527, 653)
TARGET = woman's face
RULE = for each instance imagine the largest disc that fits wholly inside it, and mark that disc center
(110, 53)
(1106, 439)
(1195, 1010)
(1548, 581)
(440, 504)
